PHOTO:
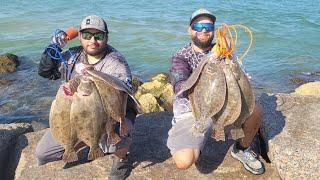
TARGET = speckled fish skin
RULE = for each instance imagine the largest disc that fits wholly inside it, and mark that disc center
(188, 84)
(247, 97)
(60, 125)
(232, 105)
(114, 94)
(115, 83)
(88, 116)
(208, 95)
(114, 103)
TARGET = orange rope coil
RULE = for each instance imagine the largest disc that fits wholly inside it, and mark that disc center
(226, 40)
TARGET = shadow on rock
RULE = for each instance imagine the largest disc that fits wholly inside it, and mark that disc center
(150, 138)
(15, 157)
(82, 155)
(273, 121)
(213, 155)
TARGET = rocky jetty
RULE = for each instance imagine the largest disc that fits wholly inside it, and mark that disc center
(8, 62)
(290, 129)
(9, 133)
(290, 139)
(151, 157)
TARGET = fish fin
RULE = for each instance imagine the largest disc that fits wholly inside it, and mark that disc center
(237, 133)
(113, 138)
(137, 105)
(70, 156)
(218, 134)
(124, 128)
(197, 130)
(95, 153)
(110, 81)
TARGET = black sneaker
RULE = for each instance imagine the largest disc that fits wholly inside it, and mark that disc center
(121, 168)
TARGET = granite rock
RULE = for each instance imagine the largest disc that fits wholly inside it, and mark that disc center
(9, 134)
(151, 157)
(290, 128)
(311, 88)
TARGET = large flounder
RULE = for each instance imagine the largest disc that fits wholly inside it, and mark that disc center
(114, 94)
(88, 116)
(232, 105)
(60, 125)
(228, 102)
(247, 98)
(207, 93)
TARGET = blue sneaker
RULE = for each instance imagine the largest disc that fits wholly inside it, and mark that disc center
(249, 160)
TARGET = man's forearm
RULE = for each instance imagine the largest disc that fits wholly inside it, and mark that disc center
(48, 68)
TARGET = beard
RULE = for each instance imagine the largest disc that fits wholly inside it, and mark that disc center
(97, 51)
(200, 43)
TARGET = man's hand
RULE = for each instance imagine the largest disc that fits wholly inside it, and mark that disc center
(82, 68)
(60, 38)
(66, 89)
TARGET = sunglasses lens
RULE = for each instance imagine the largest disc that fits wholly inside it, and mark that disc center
(199, 26)
(86, 35)
(97, 36)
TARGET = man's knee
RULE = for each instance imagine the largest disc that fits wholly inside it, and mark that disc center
(184, 159)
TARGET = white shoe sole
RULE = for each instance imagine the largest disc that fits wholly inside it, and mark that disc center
(245, 165)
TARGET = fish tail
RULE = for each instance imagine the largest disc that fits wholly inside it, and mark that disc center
(236, 133)
(113, 138)
(69, 156)
(95, 153)
(218, 134)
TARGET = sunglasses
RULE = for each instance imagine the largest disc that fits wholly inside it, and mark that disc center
(99, 36)
(200, 26)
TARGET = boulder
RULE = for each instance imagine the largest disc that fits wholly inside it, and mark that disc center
(9, 134)
(292, 132)
(149, 103)
(151, 157)
(8, 62)
(153, 87)
(311, 88)
(160, 89)
(161, 77)
(136, 82)
(165, 98)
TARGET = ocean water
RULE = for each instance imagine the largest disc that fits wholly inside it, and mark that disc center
(286, 41)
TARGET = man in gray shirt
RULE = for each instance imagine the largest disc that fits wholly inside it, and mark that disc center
(96, 52)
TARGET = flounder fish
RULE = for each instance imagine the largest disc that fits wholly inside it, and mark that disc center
(232, 105)
(207, 94)
(114, 94)
(219, 89)
(247, 99)
(88, 116)
(98, 102)
(60, 125)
